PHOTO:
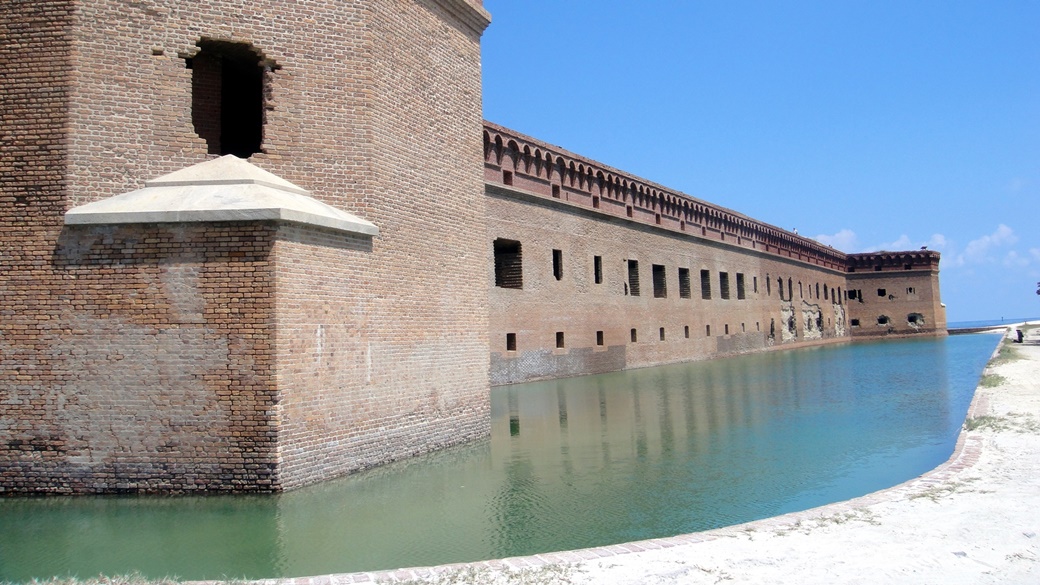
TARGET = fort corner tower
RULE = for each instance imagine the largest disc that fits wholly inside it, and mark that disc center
(216, 351)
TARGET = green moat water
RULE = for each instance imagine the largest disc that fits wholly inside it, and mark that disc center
(571, 463)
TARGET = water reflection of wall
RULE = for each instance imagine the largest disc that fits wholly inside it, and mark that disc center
(571, 463)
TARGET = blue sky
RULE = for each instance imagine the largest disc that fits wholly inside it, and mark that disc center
(866, 125)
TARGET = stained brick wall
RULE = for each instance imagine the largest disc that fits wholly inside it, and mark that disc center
(578, 307)
(154, 369)
(890, 287)
(568, 212)
(209, 360)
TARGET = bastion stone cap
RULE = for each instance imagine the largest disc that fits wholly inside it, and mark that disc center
(223, 189)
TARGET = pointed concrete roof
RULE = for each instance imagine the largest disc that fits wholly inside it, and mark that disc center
(223, 189)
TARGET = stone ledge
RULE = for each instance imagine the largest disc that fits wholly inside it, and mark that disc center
(223, 189)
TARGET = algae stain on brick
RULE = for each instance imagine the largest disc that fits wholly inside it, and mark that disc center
(143, 393)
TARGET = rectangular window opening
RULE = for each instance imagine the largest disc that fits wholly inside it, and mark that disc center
(882, 292)
(686, 331)
(705, 284)
(595, 202)
(662, 333)
(660, 284)
(740, 286)
(559, 340)
(754, 284)
(633, 277)
(599, 338)
(556, 191)
(558, 264)
(707, 330)
(684, 283)
(597, 269)
(508, 264)
(727, 328)
(634, 335)
(510, 341)
(507, 177)
(724, 285)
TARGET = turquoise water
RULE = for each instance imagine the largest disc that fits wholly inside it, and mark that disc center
(571, 463)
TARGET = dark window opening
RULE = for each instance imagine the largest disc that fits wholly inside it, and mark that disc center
(882, 320)
(507, 177)
(686, 331)
(724, 285)
(817, 290)
(660, 284)
(599, 338)
(556, 191)
(754, 284)
(559, 339)
(790, 289)
(742, 329)
(769, 287)
(707, 330)
(634, 335)
(915, 319)
(657, 218)
(558, 264)
(628, 211)
(633, 277)
(597, 269)
(910, 290)
(801, 291)
(907, 267)
(740, 286)
(877, 268)
(727, 328)
(882, 292)
(662, 333)
(825, 297)
(705, 284)
(510, 341)
(855, 322)
(684, 283)
(595, 202)
(508, 264)
(230, 87)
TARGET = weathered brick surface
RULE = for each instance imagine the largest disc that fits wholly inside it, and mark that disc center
(910, 283)
(227, 356)
(548, 199)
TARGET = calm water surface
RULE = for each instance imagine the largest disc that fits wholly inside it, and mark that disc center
(571, 463)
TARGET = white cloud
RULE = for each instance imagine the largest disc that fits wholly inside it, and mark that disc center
(981, 250)
(1013, 260)
(844, 240)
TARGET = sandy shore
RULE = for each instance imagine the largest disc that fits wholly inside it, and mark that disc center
(975, 519)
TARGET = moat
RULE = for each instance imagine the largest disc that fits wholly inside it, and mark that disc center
(571, 463)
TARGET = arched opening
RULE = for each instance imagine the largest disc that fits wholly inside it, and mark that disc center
(229, 91)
